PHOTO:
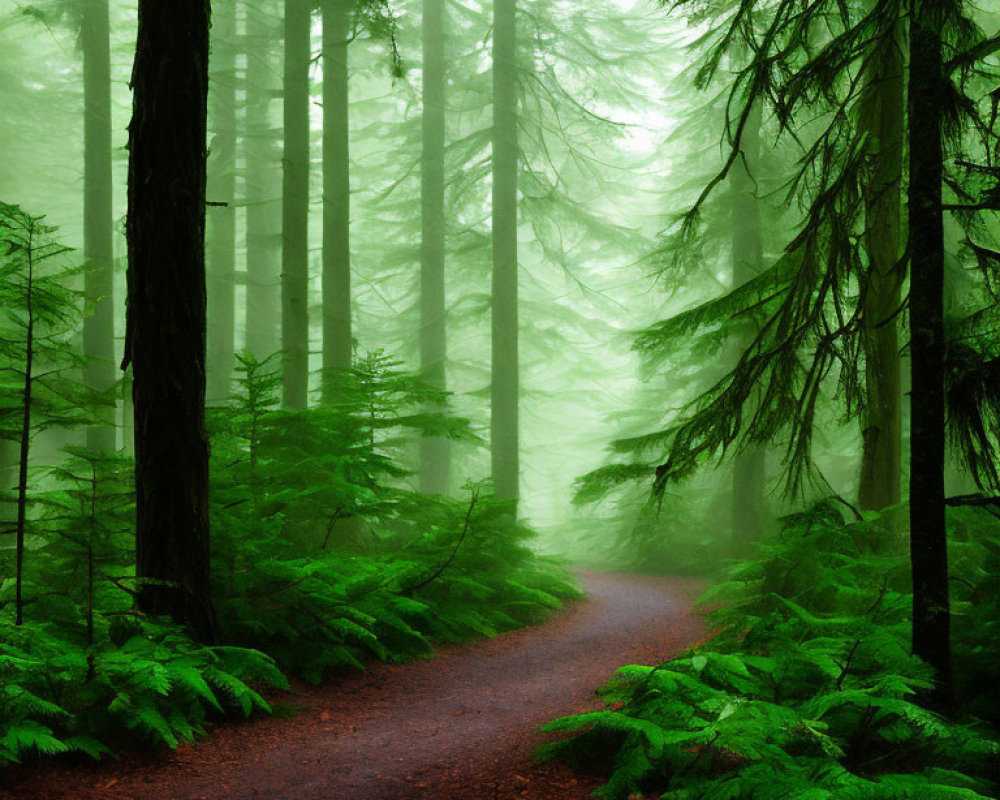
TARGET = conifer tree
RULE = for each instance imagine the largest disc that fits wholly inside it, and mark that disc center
(882, 115)
(928, 539)
(435, 452)
(337, 333)
(37, 358)
(504, 394)
(747, 262)
(221, 191)
(98, 224)
(165, 315)
(261, 157)
(295, 207)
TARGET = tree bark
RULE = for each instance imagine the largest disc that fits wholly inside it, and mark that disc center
(222, 216)
(435, 452)
(504, 387)
(98, 216)
(25, 438)
(747, 256)
(882, 117)
(295, 208)
(262, 185)
(165, 317)
(337, 349)
(928, 544)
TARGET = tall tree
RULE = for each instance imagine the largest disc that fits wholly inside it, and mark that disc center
(747, 263)
(882, 117)
(337, 349)
(98, 217)
(262, 182)
(928, 542)
(221, 253)
(504, 393)
(165, 312)
(295, 208)
(435, 453)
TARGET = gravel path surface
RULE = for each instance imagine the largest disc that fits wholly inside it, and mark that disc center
(461, 726)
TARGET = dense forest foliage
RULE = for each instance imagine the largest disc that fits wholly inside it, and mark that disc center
(331, 330)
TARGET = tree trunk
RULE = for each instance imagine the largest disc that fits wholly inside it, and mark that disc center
(747, 261)
(504, 391)
(928, 544)
(222, 217)
(98, 216)
(337, 350)
(165, 316)
(262, 186)
(435, 453)
(25, 440)
(295, 208)
(882, 117)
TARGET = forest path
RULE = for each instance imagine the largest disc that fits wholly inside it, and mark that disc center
(461, 726)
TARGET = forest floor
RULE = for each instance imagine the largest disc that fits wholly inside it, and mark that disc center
(461, 726)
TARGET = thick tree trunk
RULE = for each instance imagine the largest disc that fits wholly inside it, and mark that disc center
(747, 260)
(262, 185)
(222, 215)
(879, 486)
(165, 324)
(504, 393)
(295, 209)
(435, 453)
(98, 215)
(337, 350)
(928, 544)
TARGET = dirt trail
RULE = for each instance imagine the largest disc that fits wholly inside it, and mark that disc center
(461, 726)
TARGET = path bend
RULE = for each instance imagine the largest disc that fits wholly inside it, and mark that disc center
(461, 726)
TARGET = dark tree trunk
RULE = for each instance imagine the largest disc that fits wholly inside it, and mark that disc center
(98, 215)
(295, 208)
(747, 256)
(262, 183)
(504, 393)
(435, 453)
(337, 350)
(879, 486)
(165, 324)
(928, 545)
(222, 216)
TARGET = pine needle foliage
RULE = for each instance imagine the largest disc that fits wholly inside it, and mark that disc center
(808, 65)
(326, 558)
(806, 690)
(39, 390)
(85, 673)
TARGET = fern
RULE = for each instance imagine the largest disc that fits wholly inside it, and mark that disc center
(807, 690)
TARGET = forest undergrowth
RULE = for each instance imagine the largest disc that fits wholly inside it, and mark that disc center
(323, 557)
(808, 687)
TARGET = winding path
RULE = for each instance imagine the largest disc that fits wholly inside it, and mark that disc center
(461, 726)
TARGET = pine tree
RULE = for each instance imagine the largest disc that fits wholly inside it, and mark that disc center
(295, 207)
(928, 538)
(98, 225)
(165, 323)
(747, 262)
(37, 357)
(504, 393)
(338, 350)
(883, 108)
(435, 453)
(262, 180)
(221, 194)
